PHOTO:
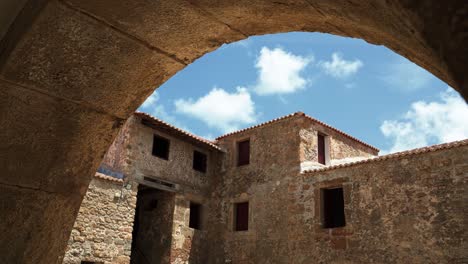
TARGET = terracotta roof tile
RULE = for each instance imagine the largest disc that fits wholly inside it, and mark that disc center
(258, 125)
(339, 131)
(107, 178)
(306, 116)
(396, 155)
(178, 130)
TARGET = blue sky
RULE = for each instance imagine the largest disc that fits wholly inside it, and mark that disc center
(365, 90)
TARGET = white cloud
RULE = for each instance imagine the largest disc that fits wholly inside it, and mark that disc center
(220, 109)
(279, 72)
(155, 108)
(151, 100)
(339, 67)
(429, 123)
(406, 76)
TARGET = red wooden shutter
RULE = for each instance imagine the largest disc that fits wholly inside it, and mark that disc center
(321, 149)
(242, 216)
(243, 149)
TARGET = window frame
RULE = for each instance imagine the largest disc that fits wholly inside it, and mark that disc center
(154, 147)
(204, 161)
(324, 155)
(198, 224)
(242, 161)
(237, 227)
(329, 217)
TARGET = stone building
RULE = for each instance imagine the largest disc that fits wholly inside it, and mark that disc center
(291, 190)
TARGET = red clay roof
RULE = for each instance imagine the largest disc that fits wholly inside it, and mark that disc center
(396, 155)
(306, 116)
(177, 130)
(107, 178)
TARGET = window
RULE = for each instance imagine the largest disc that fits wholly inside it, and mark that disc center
(90, 262)
(195, 215)
(199, 161)
(243, 152)
(161, 147)
(321, 148)
(241, 216)
(332, 208)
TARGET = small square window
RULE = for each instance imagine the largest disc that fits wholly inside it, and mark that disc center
(243, 152)
(161, 147)
(199, 161)
(195, 216)
(332, 208)
(241, 216)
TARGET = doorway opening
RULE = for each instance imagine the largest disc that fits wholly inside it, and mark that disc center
(152, 228)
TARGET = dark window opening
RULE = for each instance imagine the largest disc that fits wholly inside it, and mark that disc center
(199, 161)
(321, 148)
(333, 208)
(243, 152)
(241, 211)
(195, 216)
(161, 147)
(90, 262)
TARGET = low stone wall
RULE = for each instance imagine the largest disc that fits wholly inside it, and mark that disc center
(103, 229)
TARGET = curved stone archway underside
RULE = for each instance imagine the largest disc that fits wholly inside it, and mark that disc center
(71, 72)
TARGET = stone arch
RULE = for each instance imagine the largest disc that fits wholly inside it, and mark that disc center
(71, 71)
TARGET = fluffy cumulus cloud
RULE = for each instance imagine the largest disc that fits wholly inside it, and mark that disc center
(220, 109)
(280, 72)
(428, 123)
(339, 67)
(406, 76)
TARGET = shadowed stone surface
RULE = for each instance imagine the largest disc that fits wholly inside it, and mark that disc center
(68, 54)
(74, 71)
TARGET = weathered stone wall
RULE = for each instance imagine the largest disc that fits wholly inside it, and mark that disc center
(116, 157)
(274, 157)
(178, 169)
(153, 235)
(406, 209)
(103, 229)
(403, 209)
(339, 146)
(189, 246)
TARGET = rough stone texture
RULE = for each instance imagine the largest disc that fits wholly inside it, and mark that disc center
(103, 228)
(274, 157)
(339, 147)
(81, 66)
(163, 234)
(404, 210)
(401, 210)
(178, 169)
(40, 190)
(152, 243)
(86, 55)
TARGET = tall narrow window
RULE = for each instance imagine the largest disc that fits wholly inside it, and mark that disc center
(321, 148)
(199, 161)
(243, 152)
(160, 147)
(195, 216)
(332, 208)
(241, 217)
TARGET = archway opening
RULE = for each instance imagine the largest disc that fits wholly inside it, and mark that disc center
(73, 71)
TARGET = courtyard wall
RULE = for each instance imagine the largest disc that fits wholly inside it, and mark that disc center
(103, 228)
